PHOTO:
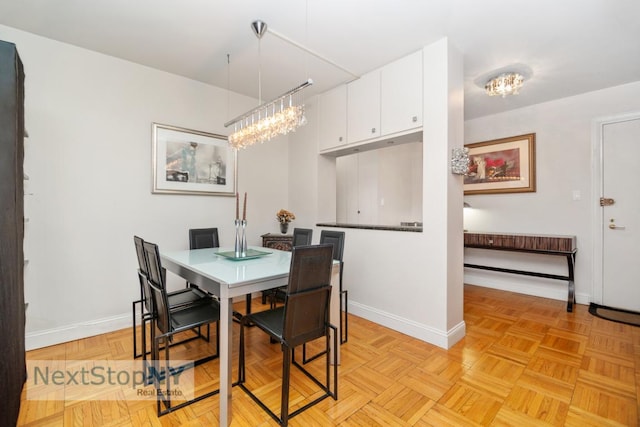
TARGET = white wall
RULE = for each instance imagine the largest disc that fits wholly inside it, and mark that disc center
(564, 162)
(88, 157)
(409, 281)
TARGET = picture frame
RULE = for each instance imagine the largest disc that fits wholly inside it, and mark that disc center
(506, 165)
(186, 161)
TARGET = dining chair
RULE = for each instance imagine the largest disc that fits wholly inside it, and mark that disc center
(301, 237)
(201, 238)
(170, 322)
(176, 300)
(303, 318)
(336, 238)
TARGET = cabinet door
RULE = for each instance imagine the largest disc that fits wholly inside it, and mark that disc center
(333, 118)
(363, 108)
(401, 94)
(357, 188)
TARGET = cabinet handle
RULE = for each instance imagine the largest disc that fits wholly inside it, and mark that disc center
(414, 119)
(340, 139)
(373, 130)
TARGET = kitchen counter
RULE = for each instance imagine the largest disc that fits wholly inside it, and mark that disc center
(412, 228)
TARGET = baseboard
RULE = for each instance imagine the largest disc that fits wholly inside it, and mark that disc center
(443, 339)
(557, 290)
(75, 331)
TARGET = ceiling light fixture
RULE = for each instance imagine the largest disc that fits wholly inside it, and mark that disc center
(504, 84)
(279, 116)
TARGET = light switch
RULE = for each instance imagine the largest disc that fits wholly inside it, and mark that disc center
(575, 195)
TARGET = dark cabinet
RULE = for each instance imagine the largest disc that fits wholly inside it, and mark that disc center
(12, 309)
(284, 242)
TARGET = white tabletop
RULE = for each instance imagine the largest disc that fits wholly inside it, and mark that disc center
(230, 272)
(227, 278)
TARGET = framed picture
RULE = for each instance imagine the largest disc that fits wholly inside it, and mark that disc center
(506, 165)
(188, 161)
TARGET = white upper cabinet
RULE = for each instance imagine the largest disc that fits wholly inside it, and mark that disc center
(401, 94)
(385, 102)
(363, 108)
(333, 118)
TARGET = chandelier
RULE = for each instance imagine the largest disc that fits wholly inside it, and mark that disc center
(279, 116)
(504, 84)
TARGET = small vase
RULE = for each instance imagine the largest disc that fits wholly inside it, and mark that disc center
(284, 227)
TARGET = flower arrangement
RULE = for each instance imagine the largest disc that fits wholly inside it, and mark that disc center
(284, 216)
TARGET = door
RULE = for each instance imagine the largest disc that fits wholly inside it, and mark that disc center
(621, 222)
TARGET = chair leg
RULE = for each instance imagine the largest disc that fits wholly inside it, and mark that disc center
(135, 327)
(154, 351)
(144, 338)
(335, 363)
(241, 373)
(167, 375)
(217, 339)
(344, 326)
(156, 370)
(286, 374)
(135, 338)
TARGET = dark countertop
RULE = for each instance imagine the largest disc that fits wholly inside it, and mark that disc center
(370, 226)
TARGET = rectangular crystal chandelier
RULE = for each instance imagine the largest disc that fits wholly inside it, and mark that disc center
(279, 116)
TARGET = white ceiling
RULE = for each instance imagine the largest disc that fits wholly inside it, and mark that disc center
(570, 46)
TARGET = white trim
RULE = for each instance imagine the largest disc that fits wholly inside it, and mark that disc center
(444, 339)
(557, 291)
(597, 192)
(45, 338)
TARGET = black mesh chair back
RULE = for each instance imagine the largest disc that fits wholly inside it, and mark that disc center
(157, 288)
(143, 273)
(336, 238)
(302, 236)
(306, 306)
(200, 238)
(203, 238)
(142, 262)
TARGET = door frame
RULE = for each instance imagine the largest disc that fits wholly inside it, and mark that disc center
(597, 132)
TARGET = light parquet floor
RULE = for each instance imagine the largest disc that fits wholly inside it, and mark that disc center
(525, 361)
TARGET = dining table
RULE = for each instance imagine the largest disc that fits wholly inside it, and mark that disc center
(221, 273)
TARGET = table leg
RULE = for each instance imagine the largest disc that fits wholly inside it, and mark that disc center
(334, 309)
(226, 332)
(248, 303)
(571, 300)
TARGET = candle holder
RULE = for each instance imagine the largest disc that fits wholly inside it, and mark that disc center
(240, 249)
(238, 246)
(243, 241)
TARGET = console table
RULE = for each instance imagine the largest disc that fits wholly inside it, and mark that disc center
(538, 244)
(283, 242)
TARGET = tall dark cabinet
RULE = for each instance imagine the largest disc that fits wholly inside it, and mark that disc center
(12, 309)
